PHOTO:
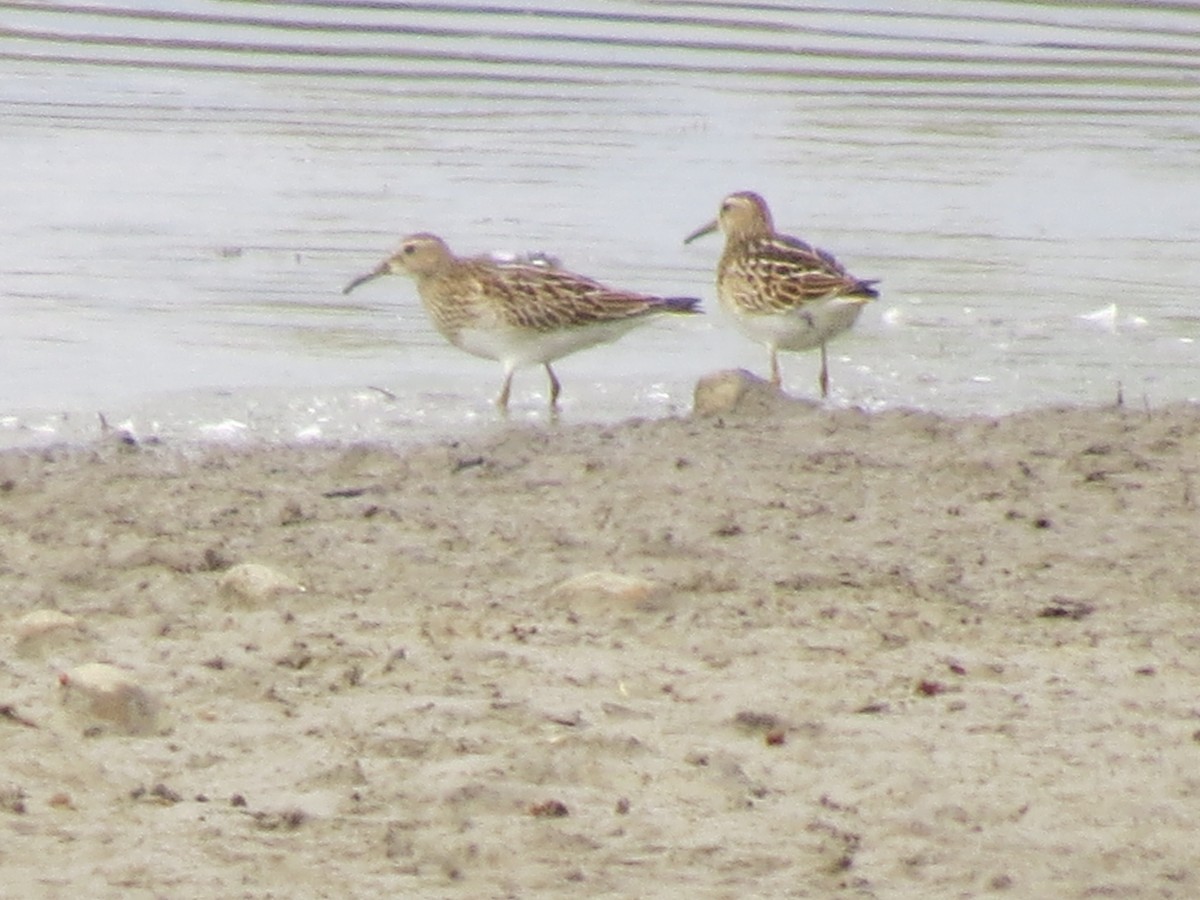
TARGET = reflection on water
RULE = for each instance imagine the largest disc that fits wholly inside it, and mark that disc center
(188, 184)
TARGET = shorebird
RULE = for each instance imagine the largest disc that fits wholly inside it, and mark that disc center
(517, 313)
(782, 292)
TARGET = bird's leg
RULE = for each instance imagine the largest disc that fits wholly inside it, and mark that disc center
(824, 380)
(555, 388)
(776, 378)
(502, 400)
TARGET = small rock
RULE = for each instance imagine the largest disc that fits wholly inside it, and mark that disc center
(755, 721)
(285, 819)
(256, 583)
(1065, 608)
(928, 688)
(45, 629)
(102, 692)
(609, 590)
(159, 793)
(43, 620)
(61, 800)
(734, 390)
(549, 809)
(12, 799)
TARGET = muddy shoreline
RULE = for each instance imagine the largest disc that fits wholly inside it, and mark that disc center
(848, 654)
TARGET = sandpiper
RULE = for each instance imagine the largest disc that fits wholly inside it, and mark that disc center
(781, 292)
(517, 313)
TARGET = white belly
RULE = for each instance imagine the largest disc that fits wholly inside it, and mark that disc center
(804, 328)
(518, 347)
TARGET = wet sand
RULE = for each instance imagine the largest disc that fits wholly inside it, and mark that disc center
(887, 655)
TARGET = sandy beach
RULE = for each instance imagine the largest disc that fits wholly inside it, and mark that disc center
(780, 651)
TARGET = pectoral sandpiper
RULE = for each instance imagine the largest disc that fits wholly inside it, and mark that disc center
(517, 313)
(781, 292)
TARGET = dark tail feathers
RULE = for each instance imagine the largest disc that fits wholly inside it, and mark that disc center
(867, 288)
(680, 304)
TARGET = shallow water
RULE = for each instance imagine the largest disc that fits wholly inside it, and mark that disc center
(187, 186)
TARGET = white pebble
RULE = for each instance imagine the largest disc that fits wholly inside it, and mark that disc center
(255, 582)
(721, 393)
(104, 693)
(608, 590)
(43, 629)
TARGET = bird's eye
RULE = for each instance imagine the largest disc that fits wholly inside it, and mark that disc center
(409, 249)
